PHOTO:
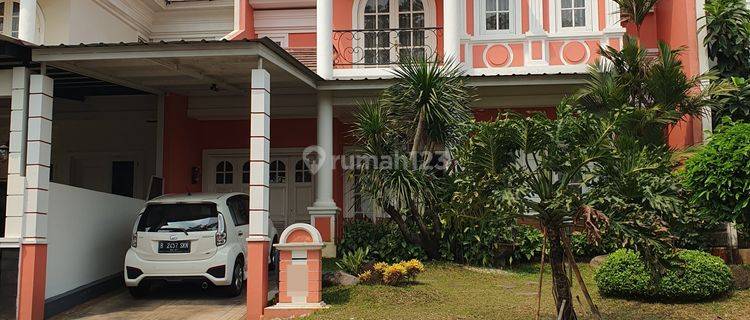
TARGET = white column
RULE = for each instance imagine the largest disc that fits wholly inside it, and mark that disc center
(324, 29)
(324, 176)
(451, 29)
(27, 21)
(260, 148)
(14, 204)
(536, 18)
(38, 159)
(323, 212)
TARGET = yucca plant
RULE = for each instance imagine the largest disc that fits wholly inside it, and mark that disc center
(414, 118)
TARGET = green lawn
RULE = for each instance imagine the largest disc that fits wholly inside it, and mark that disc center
(447, 291)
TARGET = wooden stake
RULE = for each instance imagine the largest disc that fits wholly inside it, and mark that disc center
(574, 266)
(541, 277)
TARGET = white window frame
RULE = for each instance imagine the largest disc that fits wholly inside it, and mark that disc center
(592, 18)
(514, 26)
(8, 18)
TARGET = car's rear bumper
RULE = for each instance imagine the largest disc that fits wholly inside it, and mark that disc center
(138, 270)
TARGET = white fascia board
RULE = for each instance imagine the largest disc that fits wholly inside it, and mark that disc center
(280, 4)
(274, 58)
(224, 49)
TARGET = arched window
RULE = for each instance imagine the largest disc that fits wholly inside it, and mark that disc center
(9, 17)
(224, 172)
(395, 29)
(302, 172)
(246, 172)
(277, 174)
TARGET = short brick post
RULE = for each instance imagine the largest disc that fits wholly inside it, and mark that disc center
(300, 273)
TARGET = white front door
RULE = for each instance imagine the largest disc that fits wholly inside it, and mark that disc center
(290, 180)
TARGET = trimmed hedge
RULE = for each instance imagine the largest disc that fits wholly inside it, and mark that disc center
(691, 276)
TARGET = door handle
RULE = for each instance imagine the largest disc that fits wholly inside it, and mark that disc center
(240, 233)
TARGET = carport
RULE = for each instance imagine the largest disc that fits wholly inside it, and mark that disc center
(128, 97)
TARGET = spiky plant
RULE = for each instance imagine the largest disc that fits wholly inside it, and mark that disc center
(410, 121)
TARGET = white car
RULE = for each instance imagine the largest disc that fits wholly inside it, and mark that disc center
(192, 238)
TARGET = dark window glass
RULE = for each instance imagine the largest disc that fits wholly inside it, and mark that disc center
(246, 173)
(179, 218)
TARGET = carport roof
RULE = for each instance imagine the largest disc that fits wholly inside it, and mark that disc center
(204, 67)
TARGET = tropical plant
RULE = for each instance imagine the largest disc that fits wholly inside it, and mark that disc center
(383, 239)
(649, 93)
(412, 119)
(728, 36)
(718, 176)
(558, 157)
(736, 104)
(392, 274)
(352, 262)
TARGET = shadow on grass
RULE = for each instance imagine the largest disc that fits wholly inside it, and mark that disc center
(337, 295)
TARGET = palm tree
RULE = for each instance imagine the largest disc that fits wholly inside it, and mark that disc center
(653, 92)
(412, 120)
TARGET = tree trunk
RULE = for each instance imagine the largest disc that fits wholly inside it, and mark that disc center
(560, 283)
(417, 139)
(402, 227)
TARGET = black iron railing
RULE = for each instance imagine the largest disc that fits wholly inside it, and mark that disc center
(383, 47)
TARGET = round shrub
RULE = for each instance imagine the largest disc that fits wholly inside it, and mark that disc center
(695, 275)
(623, 274)
(690, 276)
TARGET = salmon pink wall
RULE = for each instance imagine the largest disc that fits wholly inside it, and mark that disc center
(649, 31)
(302, 40)
(676, 23)
(246, 26)
(180, 152)
(185, 139)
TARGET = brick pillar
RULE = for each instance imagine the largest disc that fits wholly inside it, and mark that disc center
(258, 243)
(33, 269)
(300, 272)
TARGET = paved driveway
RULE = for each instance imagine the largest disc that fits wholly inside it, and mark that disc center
(173, 302)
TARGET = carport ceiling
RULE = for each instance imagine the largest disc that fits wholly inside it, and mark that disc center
(74, 86)
(200, 68)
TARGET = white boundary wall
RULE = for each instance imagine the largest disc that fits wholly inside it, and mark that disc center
(89, 233)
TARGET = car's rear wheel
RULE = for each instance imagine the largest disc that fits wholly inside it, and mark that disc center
(138, 291)
(238, 279)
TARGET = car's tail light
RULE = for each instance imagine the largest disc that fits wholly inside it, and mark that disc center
(221, 239)
(134, 240)
(221, 232)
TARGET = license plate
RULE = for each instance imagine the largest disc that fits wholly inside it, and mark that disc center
(174, 246)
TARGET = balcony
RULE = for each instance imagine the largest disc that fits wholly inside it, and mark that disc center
(382, 48)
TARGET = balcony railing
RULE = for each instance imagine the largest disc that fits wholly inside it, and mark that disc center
(384, 47)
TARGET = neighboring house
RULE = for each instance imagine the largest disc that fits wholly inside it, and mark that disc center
(191, 91)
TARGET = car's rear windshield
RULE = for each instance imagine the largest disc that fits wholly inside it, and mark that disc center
(179, 218)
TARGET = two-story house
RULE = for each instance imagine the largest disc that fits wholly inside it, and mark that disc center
(226, 95)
